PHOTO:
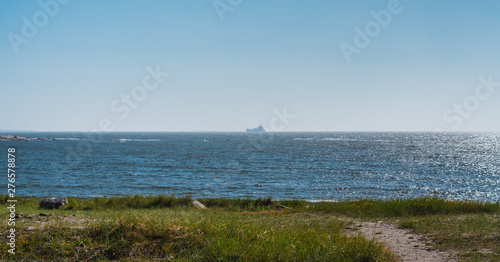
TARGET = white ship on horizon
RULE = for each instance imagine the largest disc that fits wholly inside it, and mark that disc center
(259, 129)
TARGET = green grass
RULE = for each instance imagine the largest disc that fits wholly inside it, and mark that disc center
(189, 234)
(396, 208)
(474, 237)
(126, 202)
(356, 209)
(169, 228)
(239, 204)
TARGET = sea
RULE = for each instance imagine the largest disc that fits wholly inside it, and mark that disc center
(312, 166)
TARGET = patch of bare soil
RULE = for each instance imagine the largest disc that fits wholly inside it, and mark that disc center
(409, 247)
(33, 222)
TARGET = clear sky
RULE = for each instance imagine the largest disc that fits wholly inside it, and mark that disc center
(334, 65)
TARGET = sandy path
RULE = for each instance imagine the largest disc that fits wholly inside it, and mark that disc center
(408, 246)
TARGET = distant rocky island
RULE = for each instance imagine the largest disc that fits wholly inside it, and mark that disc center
(20, 138)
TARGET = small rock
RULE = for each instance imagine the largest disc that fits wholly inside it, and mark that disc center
(30, 228)
(21, 215)
(53, 202)
(282, 206)
(199, 205)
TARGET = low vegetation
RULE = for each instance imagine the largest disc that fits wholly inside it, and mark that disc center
(169, 228)
(472, 237)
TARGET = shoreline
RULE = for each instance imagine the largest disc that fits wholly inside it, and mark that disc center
(265, 197)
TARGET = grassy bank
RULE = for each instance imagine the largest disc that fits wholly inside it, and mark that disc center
(169, 228)
(473, 236)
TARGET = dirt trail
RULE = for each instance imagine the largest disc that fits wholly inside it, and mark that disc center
(409, 247)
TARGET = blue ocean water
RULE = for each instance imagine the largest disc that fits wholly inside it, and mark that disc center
(309, 166)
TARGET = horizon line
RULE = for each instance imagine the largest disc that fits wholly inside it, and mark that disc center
(226, 131)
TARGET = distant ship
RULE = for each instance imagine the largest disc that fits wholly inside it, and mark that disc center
(259, 129)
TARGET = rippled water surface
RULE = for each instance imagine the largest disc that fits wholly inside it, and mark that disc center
(311, 166)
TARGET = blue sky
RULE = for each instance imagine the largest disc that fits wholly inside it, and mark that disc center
(420, 72)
